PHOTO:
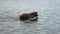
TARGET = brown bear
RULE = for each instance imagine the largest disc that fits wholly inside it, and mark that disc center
(27, 16)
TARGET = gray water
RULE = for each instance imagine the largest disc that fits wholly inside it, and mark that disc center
(48, 22)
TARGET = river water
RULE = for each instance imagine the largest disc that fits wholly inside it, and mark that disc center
(48, 11)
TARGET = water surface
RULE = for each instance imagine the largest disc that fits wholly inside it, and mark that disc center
(48, 22)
